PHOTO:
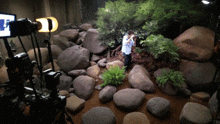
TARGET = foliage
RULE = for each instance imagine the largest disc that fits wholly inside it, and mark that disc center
(175, 77)
(115, 19)
(158, 46)
(144, 17)
(113, 76)
(139, 50)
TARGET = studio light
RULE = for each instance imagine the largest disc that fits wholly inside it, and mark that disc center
(47, 24)
(205, 2)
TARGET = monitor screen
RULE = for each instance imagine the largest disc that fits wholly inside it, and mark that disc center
(4, 24)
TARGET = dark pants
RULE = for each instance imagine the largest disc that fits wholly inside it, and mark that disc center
(127, 61)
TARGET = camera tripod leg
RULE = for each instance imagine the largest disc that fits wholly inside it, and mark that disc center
(63, 119)
(68, 117)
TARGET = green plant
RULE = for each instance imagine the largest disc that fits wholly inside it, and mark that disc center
(161, 47)
(138, 49)
(175, 77)
(113, 76)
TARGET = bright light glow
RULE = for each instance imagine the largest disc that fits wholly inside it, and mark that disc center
(205, 2)
(44, 23)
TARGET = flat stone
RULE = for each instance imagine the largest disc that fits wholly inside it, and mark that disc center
(74, 103)
(136, 118)
(200, 96)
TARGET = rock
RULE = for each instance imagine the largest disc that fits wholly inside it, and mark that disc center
(197, 75)
(158, 73)
(213, 104)
(98, 87)
(70, 34)
(95, 58)
(102, 62)
(85, 26)
(92, 43)
(55, 51)
(3, 74)
(93, 71)
(72, 94)
(194, 113)
(71, 90)
(75, 73)
(128, 98)
(158, 106)
(74, 103)
(99, 115)
(64, 93)
(136, 118)
(106, 94)
(84, 86)
(92, 63)
(65, 82)
(118, 63)
(68, 26)
(200, 96)
(138, 78)
(81, 37)
(185, 92)
(75, 57)
(44, 55)
(100, 77)
(49, 65)
(196, 43)
(61, 42)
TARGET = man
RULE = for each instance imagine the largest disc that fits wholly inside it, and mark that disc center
(127, 44)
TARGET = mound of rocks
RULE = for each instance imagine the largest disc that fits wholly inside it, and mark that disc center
(129, 98)
(84, 86)
(158, 106)
(139, 78)
(194, 113)
(99, 115)
(136, 118)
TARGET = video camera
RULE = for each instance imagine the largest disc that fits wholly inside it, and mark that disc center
(20, 69)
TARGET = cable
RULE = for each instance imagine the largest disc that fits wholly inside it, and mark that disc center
(35, 54)
(22, 44)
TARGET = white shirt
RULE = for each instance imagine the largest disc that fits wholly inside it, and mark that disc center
(126, 48)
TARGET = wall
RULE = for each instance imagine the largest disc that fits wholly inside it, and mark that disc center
(66, 11)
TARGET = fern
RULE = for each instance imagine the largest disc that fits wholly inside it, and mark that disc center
(159, 45)
(175, 77)
(113, 76)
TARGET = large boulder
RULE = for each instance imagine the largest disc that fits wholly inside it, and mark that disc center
(196, 43)
(128, 98)
(55, 51)
(106, 94)
(3, 74)
(84, 86)
(197, 75)
(44, 55)
(85, 26)
(138, 78)
(194, 113)
(99, 115)
(136, 118)
(93, 71)
(74, 103)
(92, 43)
(118, 63)
(158, 106)
(65, 82)
(70, 34)
(62, 42)
(75, 57)
(213, 104)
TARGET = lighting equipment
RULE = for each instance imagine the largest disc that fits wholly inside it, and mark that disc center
(20, 69)
(206, 2)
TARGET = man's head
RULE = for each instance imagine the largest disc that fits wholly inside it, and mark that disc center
(130, 33)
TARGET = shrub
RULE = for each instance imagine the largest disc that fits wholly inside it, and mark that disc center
(161, 47)
(175, 77)
(113, 76)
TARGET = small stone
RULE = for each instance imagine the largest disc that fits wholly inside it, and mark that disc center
(98, 87)
(200, 96)
(136, 118)
(74, 103)
(64, 93)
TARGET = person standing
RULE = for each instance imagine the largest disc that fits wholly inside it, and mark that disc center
(127, 44)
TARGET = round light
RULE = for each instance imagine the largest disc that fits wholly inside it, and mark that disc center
(45, 24)
(205, 2)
